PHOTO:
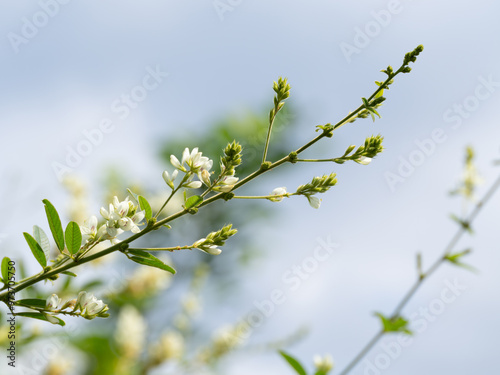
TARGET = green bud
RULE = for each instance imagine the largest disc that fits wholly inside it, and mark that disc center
(228, 196)
(231, 158)
(318, 185)
(265, 166)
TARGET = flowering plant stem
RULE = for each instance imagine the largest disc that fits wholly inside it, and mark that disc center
(465, 225)
(154, 224)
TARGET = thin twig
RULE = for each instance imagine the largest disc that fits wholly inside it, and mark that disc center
(411, 292)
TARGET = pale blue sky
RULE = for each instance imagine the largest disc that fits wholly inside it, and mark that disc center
(66, 77)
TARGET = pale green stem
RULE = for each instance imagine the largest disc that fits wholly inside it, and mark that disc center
(186, 176)
(55, 271)
(271, 122)
(264, 196)
(411, 292)
(173, 248)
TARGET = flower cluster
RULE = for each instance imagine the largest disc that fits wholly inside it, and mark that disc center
(365, 153)
(211, 243)
(120, 217)
(192, 163)
(471, 179)
(323, 364)
(317, 185)
(89, 306)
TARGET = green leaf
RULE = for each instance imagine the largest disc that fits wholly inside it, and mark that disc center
(69, 273)
(5, 270)
(456, 260)
(145, 207)
(40, 316)
(397, 324)
(73, 237)
(32, 302)
(134, 196)
(294, 363)
(193, 201)
(36, 249)
(148, 259)
(54, 224)
(42, 240)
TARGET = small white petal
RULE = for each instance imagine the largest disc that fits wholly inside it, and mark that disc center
(52, 302)
(230, 180)
(314, 202)
(224, 188)
(138, 216)
(278, 191)
(175, 162)
(104, 213)
(363, 160)
(204, 175)
(213, 250)
(185, 155)
(193, 185)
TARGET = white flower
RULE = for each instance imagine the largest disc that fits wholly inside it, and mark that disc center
(89, 305)
(147, 281)
(314, 202)
(323, 364)
(89, 229)
(226, 184)
(52, 302)
(193, 185)
(130, 223)
(170, 179)
(112, 232)
(209, 249)
(204, 176)
(363, 160)
(194, 160)
(169, 347)
(130, 334)
(280, 191)
(121, 208)
(175, 162)
(117, 209)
